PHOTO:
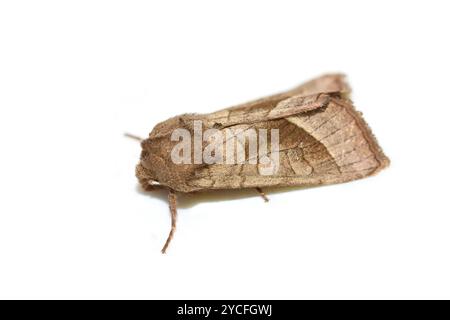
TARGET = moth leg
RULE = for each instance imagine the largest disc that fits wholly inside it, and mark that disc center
(132, 136)
(173, 214)
(262, 194)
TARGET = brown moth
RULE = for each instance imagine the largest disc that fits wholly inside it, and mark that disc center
(321, 140)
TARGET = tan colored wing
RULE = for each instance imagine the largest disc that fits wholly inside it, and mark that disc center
(328, 145)
(266, 111)
(306, 97)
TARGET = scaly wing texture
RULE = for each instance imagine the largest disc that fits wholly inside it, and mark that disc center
(328, 145)
(267, 110)
(247, 112)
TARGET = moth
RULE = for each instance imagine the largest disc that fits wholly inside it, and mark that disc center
(321, 139)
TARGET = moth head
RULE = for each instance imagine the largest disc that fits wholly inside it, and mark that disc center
(156, 166)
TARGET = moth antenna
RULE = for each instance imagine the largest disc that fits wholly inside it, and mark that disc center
(132, 136)
(262, 194)
(173, 214)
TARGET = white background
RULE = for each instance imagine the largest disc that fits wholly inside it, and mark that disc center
(75, 75)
